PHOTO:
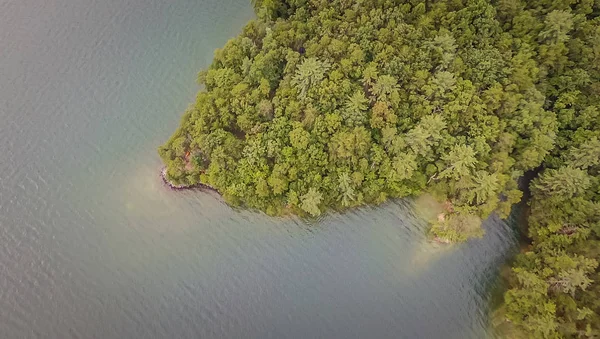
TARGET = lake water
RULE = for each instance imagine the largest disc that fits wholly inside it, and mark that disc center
(92, 245)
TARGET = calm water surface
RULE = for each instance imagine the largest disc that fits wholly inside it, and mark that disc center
(93, 246)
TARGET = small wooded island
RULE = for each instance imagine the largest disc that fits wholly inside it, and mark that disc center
(323, 104)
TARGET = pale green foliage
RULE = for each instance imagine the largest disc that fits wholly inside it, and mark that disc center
(529, 306)
(405, 164)
(565, 182)
(299, 138)
(458, 227)
(585, 156)
(265, 108)
(309, 73)
(486, 186)
(445, 46)
(557, 26)
(347, 189)
(370, 74)
(434, 125)
(310, 202)
(354, 112)
(569, 281)
(384, 86)
(444, 81)
(418, 140)
(460, 161)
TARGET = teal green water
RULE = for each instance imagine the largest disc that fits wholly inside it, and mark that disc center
(92, 245)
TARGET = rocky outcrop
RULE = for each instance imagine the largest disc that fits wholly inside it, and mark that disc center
(163, 175)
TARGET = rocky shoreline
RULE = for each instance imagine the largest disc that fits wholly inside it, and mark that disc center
(163, 175)
(439, 240)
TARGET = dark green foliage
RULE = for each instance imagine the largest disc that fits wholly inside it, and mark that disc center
(554, 289)
(323, 104)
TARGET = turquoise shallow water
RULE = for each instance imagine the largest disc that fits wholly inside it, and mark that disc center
(92, 245)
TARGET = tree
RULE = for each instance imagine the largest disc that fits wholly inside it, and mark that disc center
(384, 86)
(585, 156)
(557, 26)
(569, 281)
(309, 73)
(460, 161)
(528, 305)
(444, 81)
(356, 106)
(310, 202)
(486, 186)
(346, 187)
(419, 140)
(299, 138)
(382, 115)
(444, 45)
(565, 182)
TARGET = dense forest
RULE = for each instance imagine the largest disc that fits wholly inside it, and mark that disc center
(323, 104)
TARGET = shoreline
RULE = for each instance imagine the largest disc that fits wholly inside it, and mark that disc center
(168, 183)
(163, 175)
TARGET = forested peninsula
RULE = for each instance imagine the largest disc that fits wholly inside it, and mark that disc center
(330, 104)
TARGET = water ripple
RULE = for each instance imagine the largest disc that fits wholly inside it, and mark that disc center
(94, 246)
